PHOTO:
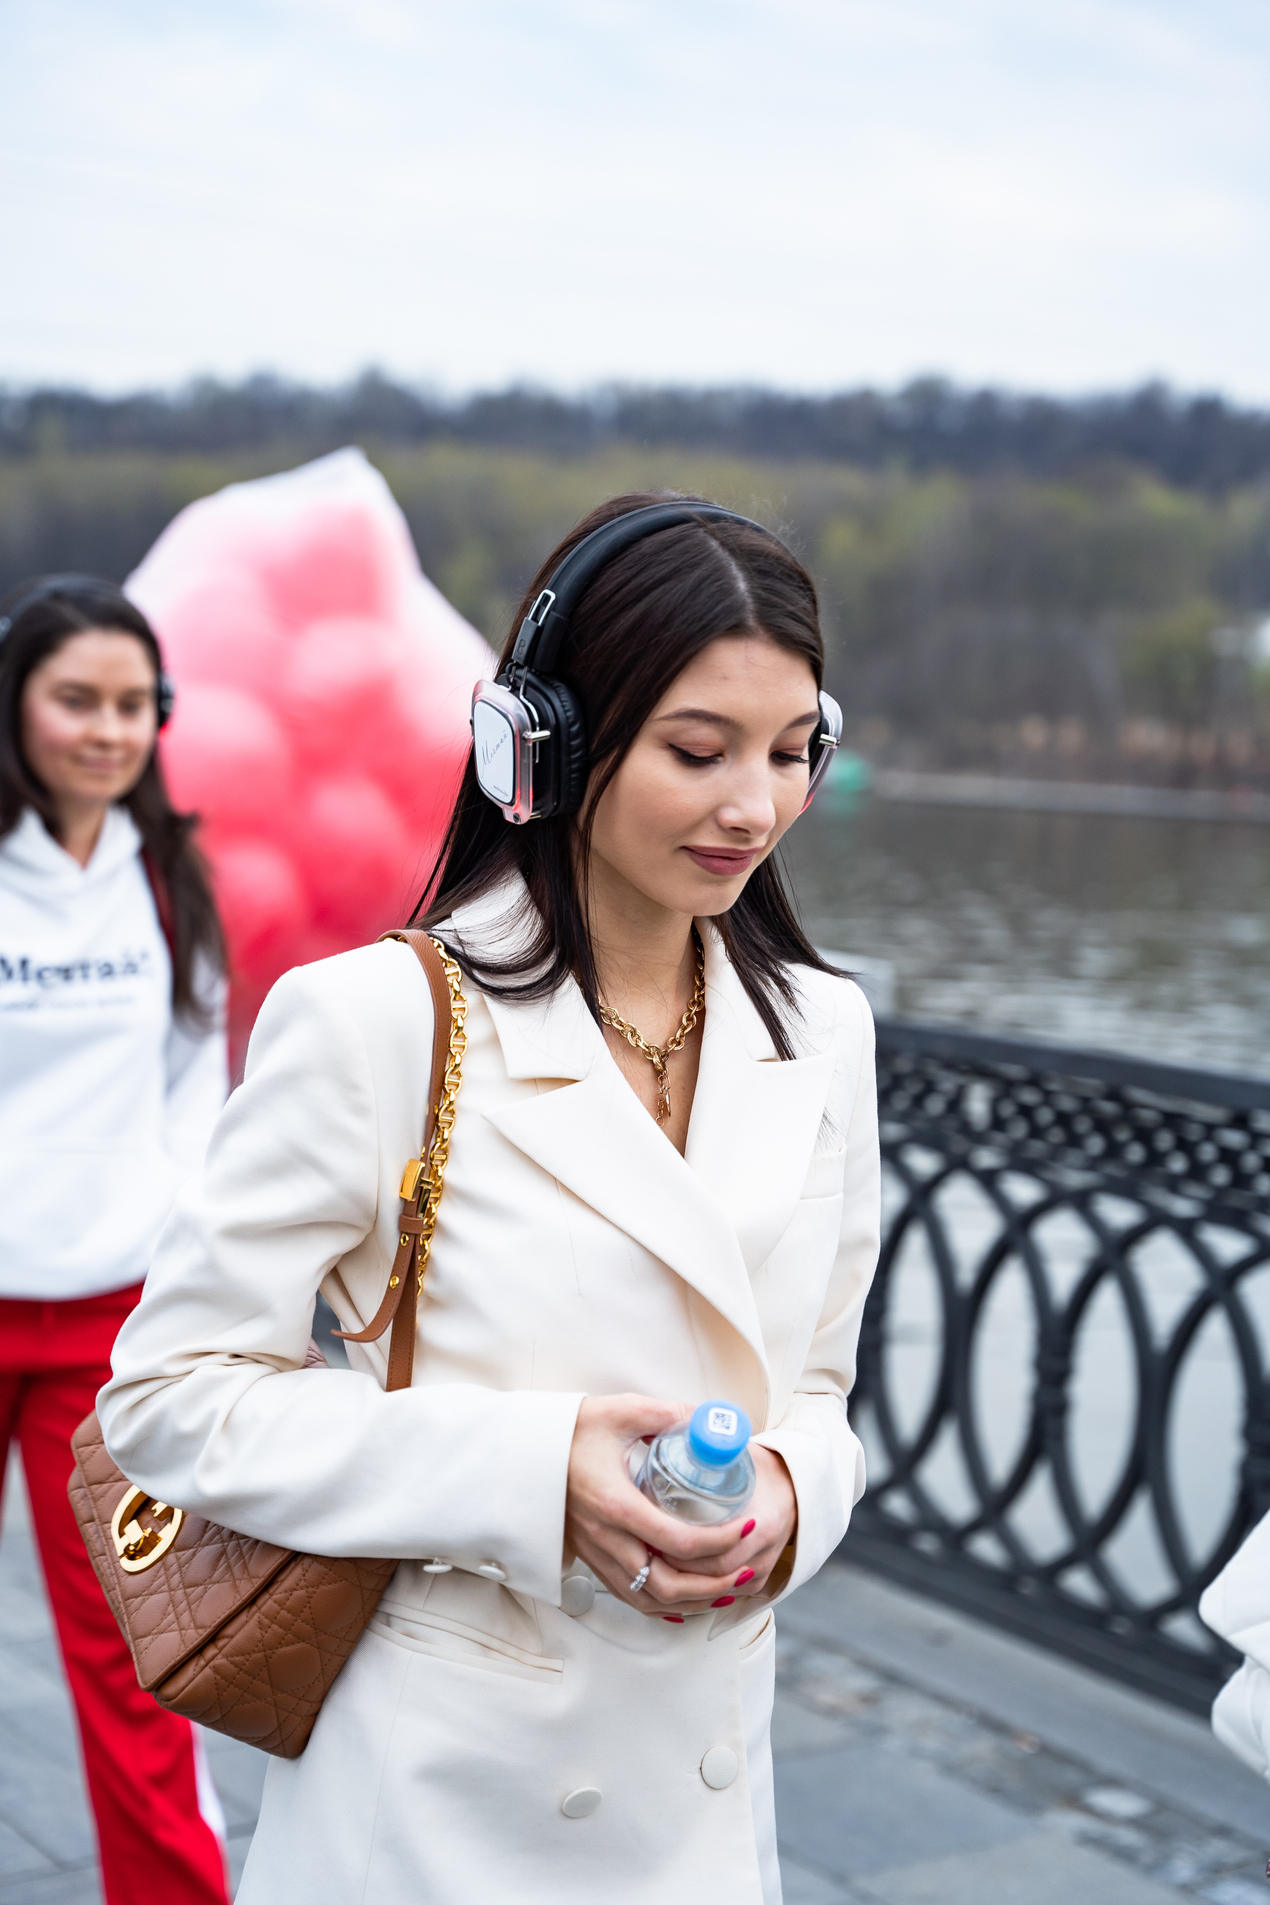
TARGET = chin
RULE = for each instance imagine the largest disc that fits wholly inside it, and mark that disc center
(711, 896)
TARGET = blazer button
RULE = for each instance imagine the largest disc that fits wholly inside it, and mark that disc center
(582, 1803)
(577, 1595)
(719, 1767)
(492, 1571)
(438, 1566)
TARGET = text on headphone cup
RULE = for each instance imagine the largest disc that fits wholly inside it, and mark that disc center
(495, 748)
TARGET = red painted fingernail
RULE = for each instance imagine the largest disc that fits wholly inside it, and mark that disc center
(746, 1574)
(678, 1618)
(724, 1600)
(748, 1529)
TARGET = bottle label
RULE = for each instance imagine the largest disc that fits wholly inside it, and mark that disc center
(721, 1422)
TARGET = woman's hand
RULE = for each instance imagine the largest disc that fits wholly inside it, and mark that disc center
(615, 1529)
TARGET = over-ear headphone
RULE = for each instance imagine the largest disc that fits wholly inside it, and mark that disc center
(529, 738)
(53, 585)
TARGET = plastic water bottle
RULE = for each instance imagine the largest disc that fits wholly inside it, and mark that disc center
(702, 1470)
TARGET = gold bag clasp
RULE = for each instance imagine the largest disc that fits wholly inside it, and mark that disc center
(410, 1178)
(138, 1548)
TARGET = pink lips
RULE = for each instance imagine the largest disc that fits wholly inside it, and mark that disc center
(722, 860)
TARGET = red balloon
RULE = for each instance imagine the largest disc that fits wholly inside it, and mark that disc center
(321, 726)
(263, 904)
(342, 680)
(356, 857)
(226, 758)
(419, 762)
(225, 630)
(336, 560)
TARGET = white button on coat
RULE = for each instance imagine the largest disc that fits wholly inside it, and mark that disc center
(492, 1571)
(581, 1803)
(577, 1595)
(719, 1767)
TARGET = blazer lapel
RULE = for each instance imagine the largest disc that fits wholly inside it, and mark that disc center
(598, 1140)
(754, 1118)
(712, 1217)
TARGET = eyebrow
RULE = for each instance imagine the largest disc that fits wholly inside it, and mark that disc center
(725, 721)
(92, 687)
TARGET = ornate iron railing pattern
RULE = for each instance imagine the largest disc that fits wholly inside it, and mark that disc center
(1063, 1190)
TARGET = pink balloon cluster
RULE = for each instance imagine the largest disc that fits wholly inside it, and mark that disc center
(321, 724)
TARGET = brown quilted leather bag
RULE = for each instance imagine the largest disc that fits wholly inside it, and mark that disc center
(240, 1635)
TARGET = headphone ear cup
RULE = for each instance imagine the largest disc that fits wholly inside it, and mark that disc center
(558, 789)
(573, 751)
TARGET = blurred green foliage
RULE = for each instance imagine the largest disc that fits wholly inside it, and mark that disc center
(1090, 627)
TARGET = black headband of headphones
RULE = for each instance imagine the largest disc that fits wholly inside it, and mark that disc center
(544, 628)
(45, 590)
(529, 734)
(55, 585)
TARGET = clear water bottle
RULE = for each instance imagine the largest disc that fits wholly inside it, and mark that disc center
(701, 1470)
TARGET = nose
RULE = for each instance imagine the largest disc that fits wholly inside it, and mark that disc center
(110, 726)
(749, 805)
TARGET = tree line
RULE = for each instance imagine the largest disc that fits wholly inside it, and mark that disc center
(1099, 625)
(1201, 443)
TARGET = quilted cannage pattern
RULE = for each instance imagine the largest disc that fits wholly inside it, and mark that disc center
(201, 1582)
(263, 1677)
(241, 1635)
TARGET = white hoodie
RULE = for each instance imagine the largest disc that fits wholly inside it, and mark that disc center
(106, 1101)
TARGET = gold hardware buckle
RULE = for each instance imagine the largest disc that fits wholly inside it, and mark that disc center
(137, 1547)
(411, 1178)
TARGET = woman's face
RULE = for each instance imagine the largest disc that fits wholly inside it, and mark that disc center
(714, 777)
(89, 717)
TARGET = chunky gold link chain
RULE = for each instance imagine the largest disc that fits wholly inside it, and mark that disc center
(439, 1153)
(658, 1054)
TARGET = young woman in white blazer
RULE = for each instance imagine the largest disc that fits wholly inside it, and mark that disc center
(564, 1697)
(112, 1073)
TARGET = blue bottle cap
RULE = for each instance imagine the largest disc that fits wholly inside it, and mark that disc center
(717, 1433)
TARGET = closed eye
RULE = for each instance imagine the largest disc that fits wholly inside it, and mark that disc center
(694, 760)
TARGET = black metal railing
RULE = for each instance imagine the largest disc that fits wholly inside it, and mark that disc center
(1063, 1366)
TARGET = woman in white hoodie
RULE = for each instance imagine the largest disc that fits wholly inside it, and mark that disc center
(112, 1072)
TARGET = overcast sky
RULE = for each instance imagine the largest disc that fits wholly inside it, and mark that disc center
(807, 193)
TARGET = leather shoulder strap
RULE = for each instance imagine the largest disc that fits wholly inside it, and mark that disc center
(400, 1305)
(434, 972)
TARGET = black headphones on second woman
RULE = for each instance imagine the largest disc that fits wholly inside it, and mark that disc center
(528, 736)
(55, 585)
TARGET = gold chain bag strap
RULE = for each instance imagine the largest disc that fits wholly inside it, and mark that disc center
(241, 1635)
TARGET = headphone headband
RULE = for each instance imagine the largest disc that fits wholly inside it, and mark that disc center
(543, 629)
(529, 739)
(45, 589)
(67, 584)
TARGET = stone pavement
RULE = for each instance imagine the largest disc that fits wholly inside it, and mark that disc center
(920, 1758)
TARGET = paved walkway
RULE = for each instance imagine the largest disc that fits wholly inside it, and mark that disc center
(919, 1758)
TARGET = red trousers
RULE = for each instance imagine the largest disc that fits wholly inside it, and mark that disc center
(155, 1844)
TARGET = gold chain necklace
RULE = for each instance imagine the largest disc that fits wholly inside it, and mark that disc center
(658, 1054)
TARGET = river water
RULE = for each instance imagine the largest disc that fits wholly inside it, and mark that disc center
(1134, 935)
(1145, 936)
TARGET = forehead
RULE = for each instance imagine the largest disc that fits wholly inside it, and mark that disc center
(103, 657)
(750, 667)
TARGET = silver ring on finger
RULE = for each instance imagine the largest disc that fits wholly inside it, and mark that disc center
(637, 1584)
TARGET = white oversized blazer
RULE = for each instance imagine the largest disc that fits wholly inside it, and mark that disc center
(1236, 1605)
(576, 1252)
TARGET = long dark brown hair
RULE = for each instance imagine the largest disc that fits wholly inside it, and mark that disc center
(178, 873)
(642, 620)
